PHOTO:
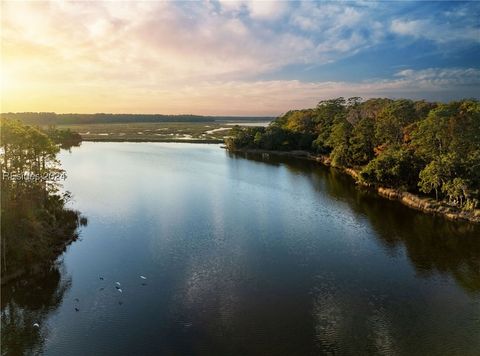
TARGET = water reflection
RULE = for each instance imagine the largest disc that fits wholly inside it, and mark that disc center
(29, 301)
(246, 258)
(433, 244)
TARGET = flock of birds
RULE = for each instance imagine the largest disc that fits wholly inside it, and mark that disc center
(118, 286)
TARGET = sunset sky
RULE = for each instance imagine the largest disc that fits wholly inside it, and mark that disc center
(233, 58)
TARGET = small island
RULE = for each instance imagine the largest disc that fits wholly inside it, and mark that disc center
(424, 154)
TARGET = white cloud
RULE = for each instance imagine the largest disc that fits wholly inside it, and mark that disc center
(201, 58)
(339, 29)
(267, 10)
(439, 32)
(268, 97)
(312, 16)
(441, 77)
(274, 97)
(174, 41)
(411, 28)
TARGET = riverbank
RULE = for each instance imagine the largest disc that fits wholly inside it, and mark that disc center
(36, 224)
(424, 204)
(50, 241)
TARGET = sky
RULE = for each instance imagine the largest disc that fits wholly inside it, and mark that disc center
(255, 58)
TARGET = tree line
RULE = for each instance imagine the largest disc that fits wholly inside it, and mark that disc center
(418, 146)
(34, 219)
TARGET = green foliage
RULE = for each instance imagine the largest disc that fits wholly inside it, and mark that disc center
(327, 112)
(270, 138)
(66, 138)
(453, 127)
(456, 190)
(275, 138)
(416, 145)
(392, 119)
(362, 142)
(300, 121)
(395, 167)
(244, 137)
(448, 140)
(339, 142)
(26, 150)
(433, 176)
(33, 216)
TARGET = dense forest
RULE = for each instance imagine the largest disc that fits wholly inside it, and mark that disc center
(51, 118)
(416, 146)
(35, 225)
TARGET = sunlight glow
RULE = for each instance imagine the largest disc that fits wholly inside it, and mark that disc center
(217, 57)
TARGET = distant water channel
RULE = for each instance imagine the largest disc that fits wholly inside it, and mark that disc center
(243, 255)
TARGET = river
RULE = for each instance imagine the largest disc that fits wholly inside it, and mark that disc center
(244, 255)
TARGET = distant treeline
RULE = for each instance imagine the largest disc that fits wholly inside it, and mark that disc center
(417, 146)
(51, 118)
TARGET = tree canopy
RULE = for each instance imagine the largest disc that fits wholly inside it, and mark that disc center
(34, 219)
(419, 146)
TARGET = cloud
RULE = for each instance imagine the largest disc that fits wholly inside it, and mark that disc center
(440, 78)
(411, 28)
(174, 41)
(269, 97)
(256, 10)
(435, 32)
(277, 96)
(267, 10)
(459, 25)
(205, 57)
(178, 41)
(311, 16)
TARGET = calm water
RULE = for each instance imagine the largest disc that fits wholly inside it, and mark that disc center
(244, 256)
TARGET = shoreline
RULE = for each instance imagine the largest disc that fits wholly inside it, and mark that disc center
(58, 249)
(413, 201)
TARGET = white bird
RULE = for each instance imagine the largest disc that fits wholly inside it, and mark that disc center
(143, 277)
(118, 284)
(119, 290)
(36, 325)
